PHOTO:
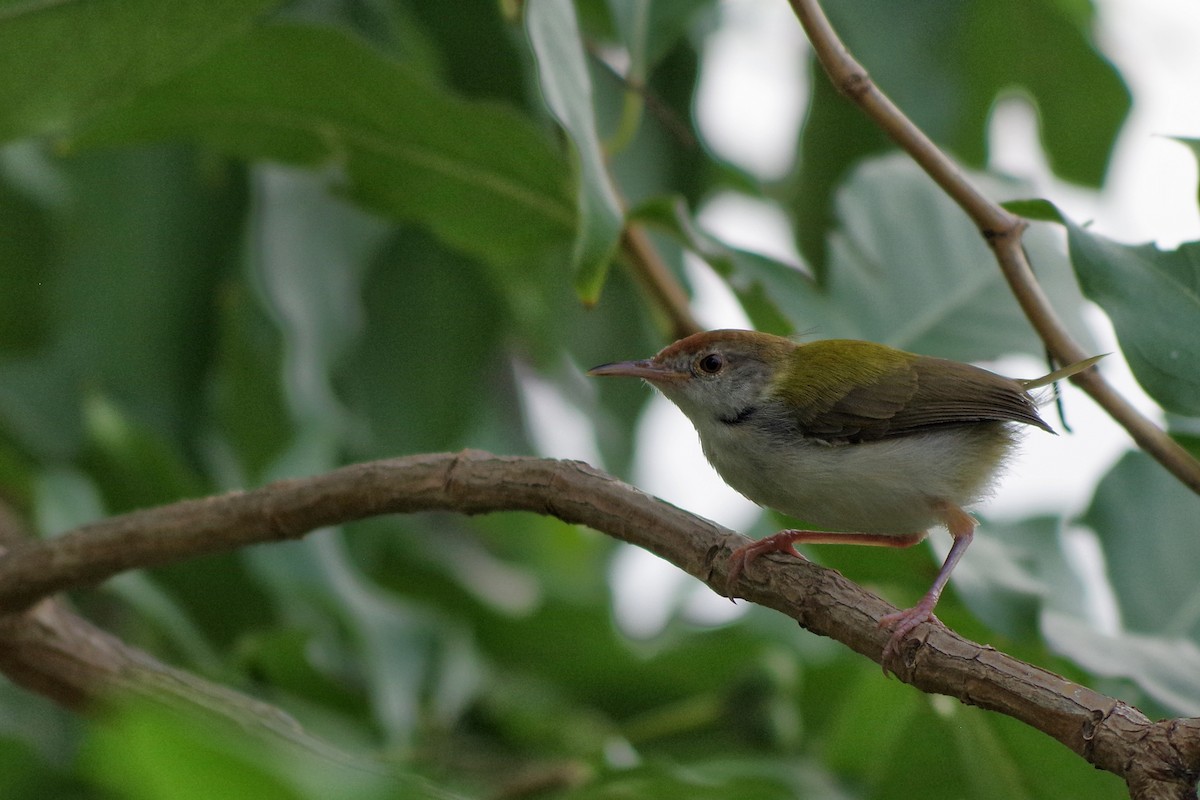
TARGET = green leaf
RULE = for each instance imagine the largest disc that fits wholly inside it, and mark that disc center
(26, 259)
(133, 466)
(1034, 209)
(898, 744)
(479, 176)
(64, 62)
(247, 401)
(1049, 40)
(834, 137)
(145, 357)
(147, 751)
(650, 28)
(1164, 668)
(65, 499)
(168, 620)
(1152, 297)
(908, 269)
(562, 72)
(310, 271)
(478, 55)
(433, 337)
(1194, 146)
(1146, 522)
(283, 656)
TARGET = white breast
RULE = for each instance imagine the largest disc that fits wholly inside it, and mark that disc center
(887, 486)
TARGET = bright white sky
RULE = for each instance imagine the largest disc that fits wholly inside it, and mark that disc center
(750, 103)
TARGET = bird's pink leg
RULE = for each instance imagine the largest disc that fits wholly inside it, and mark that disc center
(962, 527)
(784, 541)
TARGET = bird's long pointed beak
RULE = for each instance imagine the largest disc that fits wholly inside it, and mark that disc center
(645, 369)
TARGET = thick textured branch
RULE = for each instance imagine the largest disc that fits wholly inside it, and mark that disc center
(1001, 229)
(50, 650)
(1105, 731)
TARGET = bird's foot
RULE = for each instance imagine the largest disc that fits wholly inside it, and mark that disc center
(903, 623)
(742, 557)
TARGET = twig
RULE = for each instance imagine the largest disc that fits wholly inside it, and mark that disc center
(1163, 756)
(1001, 229)
(665, 291)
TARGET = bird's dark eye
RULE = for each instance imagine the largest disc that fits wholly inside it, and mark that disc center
(711, 364)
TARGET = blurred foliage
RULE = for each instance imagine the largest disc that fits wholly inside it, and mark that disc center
(247, 240)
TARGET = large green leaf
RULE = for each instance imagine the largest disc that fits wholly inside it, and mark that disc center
(478, 175)
(477, 53)
(562, 71)
(1163, 668)
(64, 62)
(1152, 297)
(1030, 44)
(899, 744)
(1146, 522)
(315, 250)
(169, 753)
(908, 269)
(430, 356)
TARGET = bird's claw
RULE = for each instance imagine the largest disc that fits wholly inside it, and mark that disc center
(903, 623)
(741, 558)
(737, 564)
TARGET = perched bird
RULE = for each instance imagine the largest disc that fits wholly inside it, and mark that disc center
(871, 444)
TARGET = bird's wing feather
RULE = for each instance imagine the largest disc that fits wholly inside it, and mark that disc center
(854, 391)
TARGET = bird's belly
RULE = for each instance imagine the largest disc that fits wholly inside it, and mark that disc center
(887, 486)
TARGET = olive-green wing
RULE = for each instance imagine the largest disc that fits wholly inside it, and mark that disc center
(845, 390)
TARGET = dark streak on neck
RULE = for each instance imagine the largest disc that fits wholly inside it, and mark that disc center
(740, 417)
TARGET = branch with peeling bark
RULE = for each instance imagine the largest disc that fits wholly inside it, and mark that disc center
(1157, 759)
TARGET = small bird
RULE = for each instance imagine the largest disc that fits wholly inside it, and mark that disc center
(871, 444)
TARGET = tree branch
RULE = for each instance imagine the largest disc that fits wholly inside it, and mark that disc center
(1156, 759)
(656, 279)
(50, 650)
(1000, 228)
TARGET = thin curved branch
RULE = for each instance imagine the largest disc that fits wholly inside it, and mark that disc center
(1000, 228)
(1110, 734)
(656, 279)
